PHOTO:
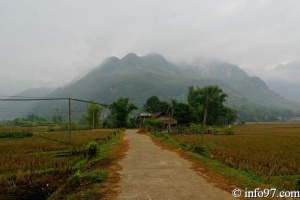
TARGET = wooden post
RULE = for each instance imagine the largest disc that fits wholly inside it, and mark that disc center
(69, 123)
(204, 118)
(57, 116)
(93, 119)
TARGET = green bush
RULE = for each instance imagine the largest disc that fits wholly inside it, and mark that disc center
(97, 176)
(78, 177)
(197, 148)
(229, 130)
(212, 130)
(92, 149)
(155, 124)
(75, 179)
(195, 128)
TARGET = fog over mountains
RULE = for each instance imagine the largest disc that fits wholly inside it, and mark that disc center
(285, 79)
(140, 77)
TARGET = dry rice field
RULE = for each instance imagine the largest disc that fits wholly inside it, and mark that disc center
(259, 149)
(36, 160)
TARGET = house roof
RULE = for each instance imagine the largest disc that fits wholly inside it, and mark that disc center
(167, 120)
(156, 115)
(145, 115)
(161, 116)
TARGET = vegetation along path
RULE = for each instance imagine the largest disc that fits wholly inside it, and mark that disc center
(149, 172)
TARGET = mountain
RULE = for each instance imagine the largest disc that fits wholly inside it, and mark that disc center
(249, 72)
(250, 96)
(139, 78)
(13, 109)
(135, 77)
(288, 69)
(284, 79)
(36, 92)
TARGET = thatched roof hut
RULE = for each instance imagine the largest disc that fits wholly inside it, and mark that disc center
(162, 116)
(167, 120)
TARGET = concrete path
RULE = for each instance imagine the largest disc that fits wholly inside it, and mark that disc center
(150, 172)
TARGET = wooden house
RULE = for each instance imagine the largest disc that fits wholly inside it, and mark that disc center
(163, 117)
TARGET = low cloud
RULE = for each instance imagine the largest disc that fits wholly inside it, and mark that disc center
(56, 41)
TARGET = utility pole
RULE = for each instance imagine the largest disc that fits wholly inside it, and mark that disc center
(69, 124)
(56, 116)
(204, 118)
(93, 119)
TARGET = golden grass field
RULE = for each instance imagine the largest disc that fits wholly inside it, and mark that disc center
(259, 149)
(24, 160)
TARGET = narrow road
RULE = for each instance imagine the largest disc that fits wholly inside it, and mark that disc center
(150, 172)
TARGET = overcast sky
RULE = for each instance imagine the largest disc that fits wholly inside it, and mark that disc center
(51, 42)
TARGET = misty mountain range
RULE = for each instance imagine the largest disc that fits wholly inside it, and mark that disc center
(284, 79)
(142, 77)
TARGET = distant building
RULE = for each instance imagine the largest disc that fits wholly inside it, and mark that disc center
(161, 116)
(141, 118)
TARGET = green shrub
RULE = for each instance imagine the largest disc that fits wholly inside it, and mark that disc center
(75, 179)
(212, 130)
(195, 128)
(97, 176)
(155, 124)
(92, 149)
(197, 148)
(229, 130)
(94, 176)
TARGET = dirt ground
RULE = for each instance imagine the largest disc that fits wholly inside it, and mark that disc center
(151, 172)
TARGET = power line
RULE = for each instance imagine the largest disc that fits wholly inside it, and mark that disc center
(33, 99)
(12, 98)
(51, 99)
(84, 101)
(15, 96)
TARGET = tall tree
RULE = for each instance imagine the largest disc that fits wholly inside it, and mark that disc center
(93, 115)
(155, 105)
(120, 111)
(217, 111)
(183, 113)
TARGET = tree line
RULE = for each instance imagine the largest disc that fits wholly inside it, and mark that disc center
(184, 113)
(193, 110)
(211, 98)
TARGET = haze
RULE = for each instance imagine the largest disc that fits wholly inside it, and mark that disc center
(50, 43)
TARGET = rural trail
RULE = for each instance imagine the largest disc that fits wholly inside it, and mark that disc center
(149, 172)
